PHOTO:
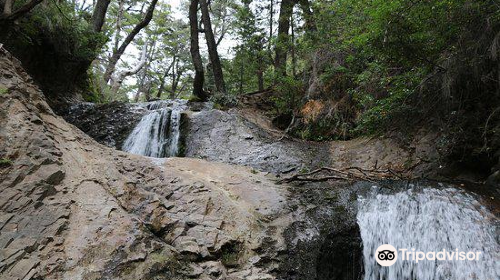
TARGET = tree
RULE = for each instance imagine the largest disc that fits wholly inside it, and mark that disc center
(110, 68)
(199, 77)
(99, 14)
(177, 56)
(250, 53)
(305, 6)
(163, 78)
(119, 77)
(145, 83)
(222, 18)
(283, 42)
(212, 48)
(9, 15)
(271, 21)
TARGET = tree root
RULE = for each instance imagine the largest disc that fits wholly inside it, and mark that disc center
(348, 174)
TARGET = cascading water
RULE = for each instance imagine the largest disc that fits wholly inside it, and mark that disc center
(429, 220)
(174, 132)
(158, 132)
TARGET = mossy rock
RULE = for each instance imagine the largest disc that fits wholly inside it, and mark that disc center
(3, 90)
(5, 163)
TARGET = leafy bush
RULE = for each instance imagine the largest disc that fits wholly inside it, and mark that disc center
(224, 100)
(53, 39)
(385, 52)
(288, 95)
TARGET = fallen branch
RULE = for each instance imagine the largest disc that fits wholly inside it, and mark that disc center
(288, 128)
(267, 90)
(346, 174)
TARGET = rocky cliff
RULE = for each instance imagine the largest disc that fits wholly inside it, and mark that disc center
(71, 208)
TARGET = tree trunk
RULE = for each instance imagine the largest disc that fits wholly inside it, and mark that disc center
(8, 15)
(175, 82)
(118, 25)
(147, 92)
(143, 79)
(241, 77)
(110, 68)
(99, 15)
(282, 44)
(7, 7)
(260, 73)
(118, 80)
(161, 88)
(199, 76)
(175, 73)
(212, 48)
(271, 21)
(292, 47)
(162, 80)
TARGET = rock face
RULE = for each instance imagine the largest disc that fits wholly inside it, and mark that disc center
(245, 137)
(228, 137)
(109, 124)
(71, 208)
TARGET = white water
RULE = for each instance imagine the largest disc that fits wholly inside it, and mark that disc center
(158, 132)
(429, 220)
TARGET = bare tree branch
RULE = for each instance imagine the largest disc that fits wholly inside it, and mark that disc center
(119, 52)
(26, 8)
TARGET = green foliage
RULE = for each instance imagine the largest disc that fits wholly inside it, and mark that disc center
(394, 107)
(224, 100)
(382, 51)
(321, 130)
(4, 162)
(194, 98)
(55, 44)
(69, 34)
(251, 61)
(288, 95)
(3, 90)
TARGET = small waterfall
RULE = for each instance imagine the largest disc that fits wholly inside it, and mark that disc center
(158, 132)
(174, 132)
(429, 219)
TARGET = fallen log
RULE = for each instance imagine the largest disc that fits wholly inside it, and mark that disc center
(346, 174)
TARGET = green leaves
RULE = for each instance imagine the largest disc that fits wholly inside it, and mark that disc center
(384, 49)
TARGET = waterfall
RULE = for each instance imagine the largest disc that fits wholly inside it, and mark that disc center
(174, 132)
(429, 219)
(158, 132)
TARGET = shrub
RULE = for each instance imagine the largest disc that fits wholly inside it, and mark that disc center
(224, 100)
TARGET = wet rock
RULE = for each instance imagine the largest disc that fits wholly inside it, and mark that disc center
(188, 247)
(109, 124)
(213, 268)
(494, 180)
(325, 242)
(227, 137)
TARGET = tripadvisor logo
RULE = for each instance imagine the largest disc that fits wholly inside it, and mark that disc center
(387, 255)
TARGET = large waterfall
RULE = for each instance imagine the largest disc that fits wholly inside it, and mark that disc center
(429, 219)
(158, 132)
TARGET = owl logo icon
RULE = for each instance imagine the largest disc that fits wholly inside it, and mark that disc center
(386, 255)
